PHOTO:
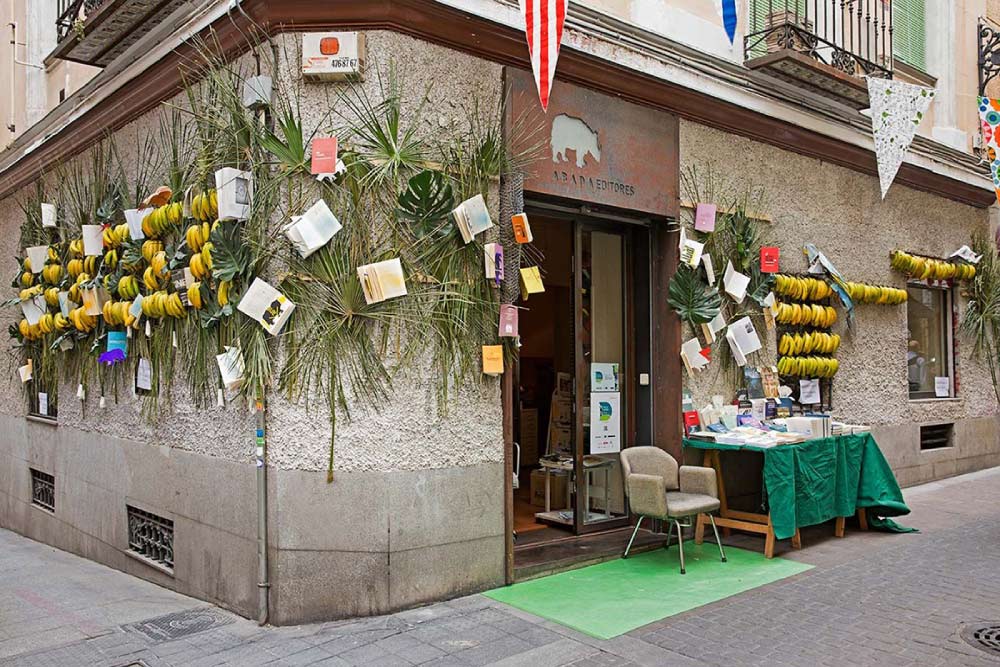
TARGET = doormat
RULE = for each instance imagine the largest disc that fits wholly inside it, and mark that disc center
(612, 598)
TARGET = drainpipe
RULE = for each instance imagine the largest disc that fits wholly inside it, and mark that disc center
(13, 74)
(263, 583)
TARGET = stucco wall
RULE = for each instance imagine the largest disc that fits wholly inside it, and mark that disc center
(840, 211)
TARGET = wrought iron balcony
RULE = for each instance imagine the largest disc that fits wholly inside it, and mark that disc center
(96, 32)
(827, 46)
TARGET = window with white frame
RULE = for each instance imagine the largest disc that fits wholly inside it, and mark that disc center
(929, 359)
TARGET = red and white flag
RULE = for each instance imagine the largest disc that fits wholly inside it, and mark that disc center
(543, 25)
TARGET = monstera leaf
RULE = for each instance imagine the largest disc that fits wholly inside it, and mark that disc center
(230, 256)
(693, 300)
(427, 202)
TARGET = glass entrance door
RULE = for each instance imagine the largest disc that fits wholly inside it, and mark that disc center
(603, 372)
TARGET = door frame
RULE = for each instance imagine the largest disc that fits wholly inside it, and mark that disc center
(665, 335)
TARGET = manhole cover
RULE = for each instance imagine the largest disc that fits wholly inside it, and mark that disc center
(179, 624)
(985, 636)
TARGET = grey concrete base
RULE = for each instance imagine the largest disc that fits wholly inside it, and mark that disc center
(369, 543)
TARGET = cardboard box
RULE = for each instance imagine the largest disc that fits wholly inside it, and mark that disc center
(557, 490)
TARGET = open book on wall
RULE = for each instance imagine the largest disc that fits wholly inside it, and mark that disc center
(313, 229)
(472, 217)
(382, 280)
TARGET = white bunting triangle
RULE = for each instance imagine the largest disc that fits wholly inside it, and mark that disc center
(897, 109)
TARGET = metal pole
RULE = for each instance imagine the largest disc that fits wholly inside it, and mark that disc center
(263, 583)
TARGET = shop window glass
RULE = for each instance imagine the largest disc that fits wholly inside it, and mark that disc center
(928, 353)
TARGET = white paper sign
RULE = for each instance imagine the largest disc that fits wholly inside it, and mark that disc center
(37, 254)
(25, 372)
(144, 375)
(231, 367)
(93, 243)
(43, 403)
(809, 392)
(605, 423)
(267, 305)
(744, 334)
(33, 309)
(965, 252)
(694, 360)
(133, 217)
(603, 377)
(942, 387)
(48, 215)
(235, 191)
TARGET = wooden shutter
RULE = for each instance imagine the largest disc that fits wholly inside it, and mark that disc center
(909, 43)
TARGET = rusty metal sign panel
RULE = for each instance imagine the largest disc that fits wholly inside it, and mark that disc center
(593, 147)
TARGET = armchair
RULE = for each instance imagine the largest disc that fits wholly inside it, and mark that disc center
(658, 489)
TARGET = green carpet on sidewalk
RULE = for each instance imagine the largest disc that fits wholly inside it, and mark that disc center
(612, 598)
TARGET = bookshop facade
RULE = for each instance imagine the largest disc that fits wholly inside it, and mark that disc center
(425, 504)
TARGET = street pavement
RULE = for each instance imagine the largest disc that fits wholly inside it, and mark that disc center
(872, 599)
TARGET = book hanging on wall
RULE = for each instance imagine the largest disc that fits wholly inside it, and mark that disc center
(324, 156)
(522, 229)
(508, 320)
(267, 305)
(493, 261)
(382, 280)
(93, 242)
(531, 281)
(472, 218)
(493, 359)
(313, 229)
(234, 189)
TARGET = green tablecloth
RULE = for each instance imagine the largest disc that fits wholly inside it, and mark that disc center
(818, 480)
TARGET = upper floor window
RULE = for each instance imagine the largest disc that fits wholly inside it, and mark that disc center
(909, 34)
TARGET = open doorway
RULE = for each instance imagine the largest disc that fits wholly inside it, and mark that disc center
(581, 378)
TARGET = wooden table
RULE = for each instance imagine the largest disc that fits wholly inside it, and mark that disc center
(752, 522)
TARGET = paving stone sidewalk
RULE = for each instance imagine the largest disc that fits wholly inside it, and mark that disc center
(872, 599)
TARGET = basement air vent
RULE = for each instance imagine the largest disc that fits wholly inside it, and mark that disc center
(937, 436)
(151, 537)
(43, 490)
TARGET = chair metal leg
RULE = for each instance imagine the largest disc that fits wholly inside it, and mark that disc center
(632, 539)
(717, 540)
(680, 544)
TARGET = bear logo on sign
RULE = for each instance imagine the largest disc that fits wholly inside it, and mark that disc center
(571, 133)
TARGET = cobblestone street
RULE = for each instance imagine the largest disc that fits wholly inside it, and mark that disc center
(872, 599)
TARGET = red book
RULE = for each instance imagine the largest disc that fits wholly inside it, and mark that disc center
(691, 422)
(769, 259)
(324, 155)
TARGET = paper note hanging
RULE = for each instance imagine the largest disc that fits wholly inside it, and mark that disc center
(493, 359)
(133, 217)
(691, 253)
(324, 156)
(267, 305)
(897, 108)
(735, 283)
(704, 217)
(48, 215)
(710, 329)
(769, 256)
(508, 320)
(543, 27)
(24, 372)
(522, 228)
(809, 392)
(382, 280)
(37, 254)
(531, 281)
(231, 367)
(257, 92)
(234, 189)
(144, 375)
(33, 309)
(692, 357)
(43, 403)
(93, 243)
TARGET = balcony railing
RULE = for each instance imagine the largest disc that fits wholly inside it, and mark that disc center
(853, 36)
(72, 11)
